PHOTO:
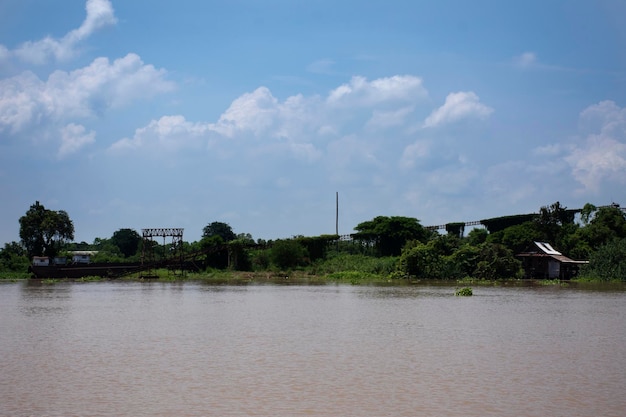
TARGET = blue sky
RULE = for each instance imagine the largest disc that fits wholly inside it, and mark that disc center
(255, 113)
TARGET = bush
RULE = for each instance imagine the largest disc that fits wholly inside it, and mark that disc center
(608, 263)
(287, 254)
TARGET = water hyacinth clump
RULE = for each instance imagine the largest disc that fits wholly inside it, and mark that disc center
(464, 292)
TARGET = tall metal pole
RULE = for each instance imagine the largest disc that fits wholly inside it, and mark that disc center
(337, 213)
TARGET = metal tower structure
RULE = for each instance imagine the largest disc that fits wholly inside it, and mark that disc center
(170, 257)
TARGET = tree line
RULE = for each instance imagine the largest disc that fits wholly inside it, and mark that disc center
(395, 246)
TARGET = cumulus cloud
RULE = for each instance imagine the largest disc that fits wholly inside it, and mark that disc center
(255, 112)
(26, 100)
(602, 155)
(99, 14)
(384, 119)
(361, 92)
(73, 138)
(170, 132)
(299, 126)
(458, 106)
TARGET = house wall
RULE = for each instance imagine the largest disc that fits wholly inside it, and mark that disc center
(554, 269)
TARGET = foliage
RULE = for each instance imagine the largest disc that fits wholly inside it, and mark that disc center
(608, 223)
(44, 232)
(497, 261)
(477, 236)
(553, 221)
(518, 237)
(500, 223)
(421, 260)
(288, 253)
(389, 234)
(317, 246)
(216, 252)
(223, 230)
(357, 263)
(239, 256)
(464, 292)
(127, 240)
(13, 257)
(456, 229)
(608, 263)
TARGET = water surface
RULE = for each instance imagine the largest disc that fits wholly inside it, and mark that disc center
(154, 349)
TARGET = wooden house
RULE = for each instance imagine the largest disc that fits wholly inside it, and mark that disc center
(542, 261)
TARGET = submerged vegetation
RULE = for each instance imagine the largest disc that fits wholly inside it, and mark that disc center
(384, 249)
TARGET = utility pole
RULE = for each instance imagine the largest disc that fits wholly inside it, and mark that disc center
(337, 213)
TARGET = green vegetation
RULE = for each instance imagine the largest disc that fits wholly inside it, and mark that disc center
(384, 249)
(464, 292)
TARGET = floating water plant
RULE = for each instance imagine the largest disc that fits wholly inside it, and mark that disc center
(464, 292)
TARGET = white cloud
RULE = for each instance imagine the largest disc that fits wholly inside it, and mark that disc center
(255, 112)
(26, 100)
(414, 152)
(602, 156)
(525, 60)
(360, 92)
(170, 132)
(384, 119)
(73, 138)
(458, 106)
(99, 14)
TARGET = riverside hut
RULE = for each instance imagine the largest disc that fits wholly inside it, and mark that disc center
(542, 261)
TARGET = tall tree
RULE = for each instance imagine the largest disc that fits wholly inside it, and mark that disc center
(127, 240)
(389, 234)
(43, 231)
(220, 229)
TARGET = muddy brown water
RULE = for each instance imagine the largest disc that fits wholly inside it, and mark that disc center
(155, 349)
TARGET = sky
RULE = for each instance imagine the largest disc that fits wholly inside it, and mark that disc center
(140, 114)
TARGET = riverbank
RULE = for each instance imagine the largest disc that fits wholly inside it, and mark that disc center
(242, 278)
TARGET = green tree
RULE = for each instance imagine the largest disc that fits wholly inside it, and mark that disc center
(44, 232)
(608, 223)
(518, 237)
(477, 236)
(421, 260)
(608, 262)
(220, 229)
(389, 234)
(288, 253)
(497, 261)
(13, 257)
(127, 240)
(555, 222)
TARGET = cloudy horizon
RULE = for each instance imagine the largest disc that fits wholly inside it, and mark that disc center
(196, 112)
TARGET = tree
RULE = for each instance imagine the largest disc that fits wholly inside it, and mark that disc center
(220, 229)
(127, 240)
(608, 223)
(44, 232)
(608, 262)
(390, 234)
(518, 237)
(13, 257)
(555, 222)
(421, 260)
(497, 261)
(288, 253)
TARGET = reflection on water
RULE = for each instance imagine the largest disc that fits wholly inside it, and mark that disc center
(186, 349)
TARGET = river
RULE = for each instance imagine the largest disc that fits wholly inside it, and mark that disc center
(190, 349)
